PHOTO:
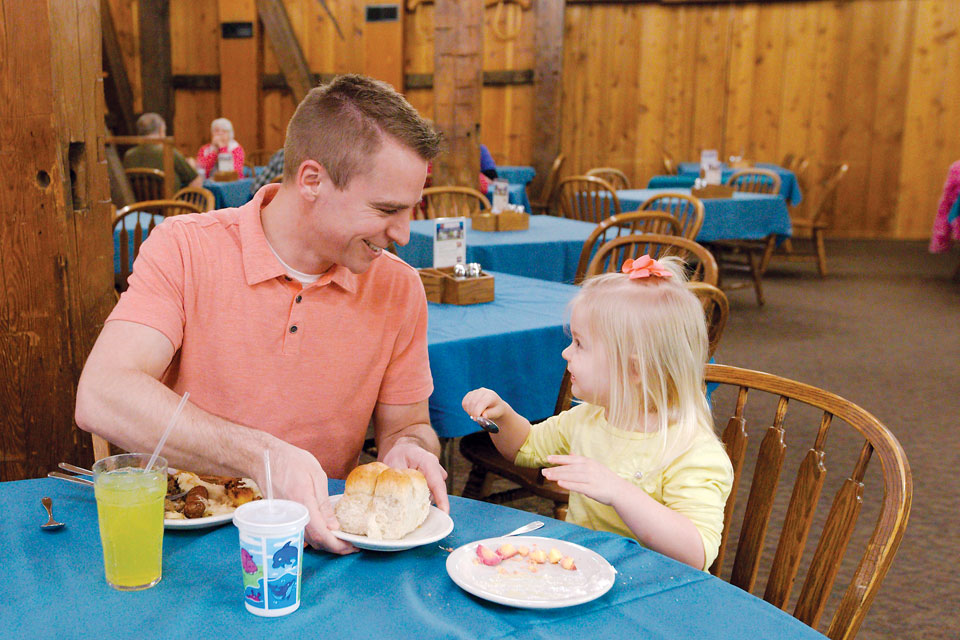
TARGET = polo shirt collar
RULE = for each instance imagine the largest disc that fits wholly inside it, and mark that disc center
(259, 263)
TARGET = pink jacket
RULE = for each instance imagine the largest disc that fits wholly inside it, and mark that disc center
(207, 158)
(944, 232)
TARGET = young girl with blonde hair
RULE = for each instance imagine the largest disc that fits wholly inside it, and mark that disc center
(639, 455)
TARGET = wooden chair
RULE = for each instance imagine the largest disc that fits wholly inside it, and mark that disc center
(129, 225)
(615, 177)
(716, 310)
(809, 229)
(855, 437)
(610, 256)
(755, 181)
(585, 198)
(686, 208)
(632, 222)
(542, 203)
(451, 202)
(147, 184)
(202, 198)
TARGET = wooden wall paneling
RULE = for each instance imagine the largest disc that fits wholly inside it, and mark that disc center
(681, 79)
(768, 79)
(799, 78)
(710, 74)
(896, 32)
(125, 14)
(573, 94)
(833, 38)
(383, 47)
(622, 93)
(155, 71)
(597, 90)
(545, 97)
(930, 141)
(655, 40)
(195, 110)
(857, 114)
(278, 108)
(738, 124)
(195, 50)
(240, 71)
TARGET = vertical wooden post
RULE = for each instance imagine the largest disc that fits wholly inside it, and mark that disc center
(56, 265)
(457, 83)
(548, 85)
(240, 71)
(168, 177)
(155, 65)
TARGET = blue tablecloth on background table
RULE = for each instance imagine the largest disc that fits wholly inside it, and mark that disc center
(745, 216)
(57, 587)
(230, 194)
(516, 174)
(670, 182)
(511, 345)
(954, 211)
(789, 188)
(548, 250)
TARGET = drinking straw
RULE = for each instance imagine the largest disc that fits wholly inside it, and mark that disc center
(166, 433)
(269, 481)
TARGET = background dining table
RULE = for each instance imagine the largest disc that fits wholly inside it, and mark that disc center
(548, 250)
(235, 193)
(511, 345)
(789, 187)
(56, 586)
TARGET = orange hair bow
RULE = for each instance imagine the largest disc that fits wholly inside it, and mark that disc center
(644, 267)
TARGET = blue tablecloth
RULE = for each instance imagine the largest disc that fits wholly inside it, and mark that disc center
(56, 586)
(745, 216)
(511, 345)
(670, 182)
(230, 194)
(789, 188)
(517, 174)
(548, 250)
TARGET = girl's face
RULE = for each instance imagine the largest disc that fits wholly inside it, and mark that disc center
(587, 363)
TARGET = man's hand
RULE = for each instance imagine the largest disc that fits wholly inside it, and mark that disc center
(406, 454)
(298, 476)
(587, 476)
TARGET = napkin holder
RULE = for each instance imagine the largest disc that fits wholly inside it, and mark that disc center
(503, 221)
(713, 191)
(441, 286)
(225, 176)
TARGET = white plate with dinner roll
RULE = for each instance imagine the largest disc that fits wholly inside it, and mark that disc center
(437, 526)
(386, 509)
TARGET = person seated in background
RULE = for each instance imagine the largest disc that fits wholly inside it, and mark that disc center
(221, 132)
(488, 169)
(946, 231)
(150, 156)
(271, 172)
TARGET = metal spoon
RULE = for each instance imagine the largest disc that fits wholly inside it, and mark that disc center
(51, 525)
(486, 423)
(527, 528)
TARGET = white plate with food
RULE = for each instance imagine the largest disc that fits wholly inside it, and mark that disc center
(437, 526)
(222, 497)
(530, 572)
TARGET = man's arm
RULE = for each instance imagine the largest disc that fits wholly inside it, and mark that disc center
(405, 439)
(121, 398)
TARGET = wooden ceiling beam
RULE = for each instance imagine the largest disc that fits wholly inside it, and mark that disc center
(286, 47)
(118, 93)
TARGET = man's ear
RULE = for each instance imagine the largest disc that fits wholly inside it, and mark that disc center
(312, 179)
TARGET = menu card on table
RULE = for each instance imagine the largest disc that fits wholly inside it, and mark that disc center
(711, 169)
(449, 242)
(501, 195)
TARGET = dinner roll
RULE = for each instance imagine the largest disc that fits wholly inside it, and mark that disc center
(383, 503)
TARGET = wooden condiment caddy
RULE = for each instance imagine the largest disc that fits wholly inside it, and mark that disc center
(225, 176)
(713, 191)
(503, 221)
(741, 164)
(441, 286)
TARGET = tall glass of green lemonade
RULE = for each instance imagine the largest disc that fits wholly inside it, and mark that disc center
(130, 510)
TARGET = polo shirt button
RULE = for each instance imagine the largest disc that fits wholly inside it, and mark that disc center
(293, 329)
(287, 278)
(299, 299)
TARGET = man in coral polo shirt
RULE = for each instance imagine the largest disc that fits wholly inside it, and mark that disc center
(285, 319)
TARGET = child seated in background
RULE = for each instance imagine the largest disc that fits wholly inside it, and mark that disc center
(640, 455)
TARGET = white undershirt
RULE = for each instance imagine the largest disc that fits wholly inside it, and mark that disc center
(304, 278)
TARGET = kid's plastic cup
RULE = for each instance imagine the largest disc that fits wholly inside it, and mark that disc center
(130, 512)
(271, 554)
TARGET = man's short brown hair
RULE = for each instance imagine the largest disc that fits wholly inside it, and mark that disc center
(149, 123)
(341, 125)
